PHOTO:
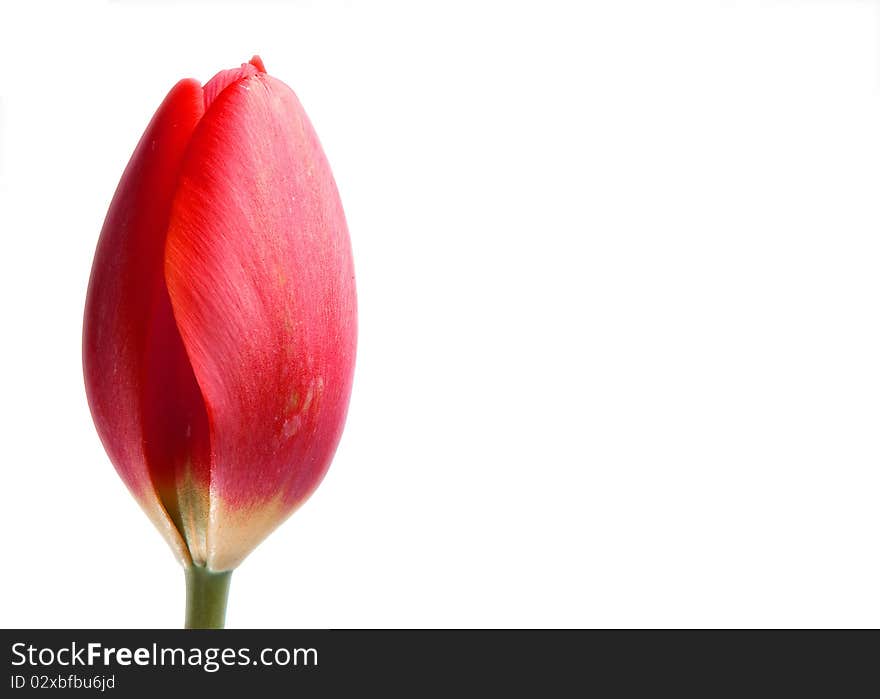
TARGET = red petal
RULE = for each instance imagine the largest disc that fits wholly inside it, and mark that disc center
(259, 271)
(225, 78)
(134, 362)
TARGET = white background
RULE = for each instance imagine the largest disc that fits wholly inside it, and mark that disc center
(619, 281)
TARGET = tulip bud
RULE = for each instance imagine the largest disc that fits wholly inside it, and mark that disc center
(220, 322)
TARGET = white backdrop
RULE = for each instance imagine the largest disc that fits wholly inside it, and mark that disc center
(619, 280)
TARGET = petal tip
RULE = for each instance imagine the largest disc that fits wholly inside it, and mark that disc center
(225, 78)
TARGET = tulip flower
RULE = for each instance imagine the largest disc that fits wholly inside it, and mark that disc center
(220, 322)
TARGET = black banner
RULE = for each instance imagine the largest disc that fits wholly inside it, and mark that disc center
(410, 663)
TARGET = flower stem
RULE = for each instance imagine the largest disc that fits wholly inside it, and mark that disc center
(206, 595)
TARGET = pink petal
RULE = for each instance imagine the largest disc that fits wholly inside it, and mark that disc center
(259, 271)
(225, 78)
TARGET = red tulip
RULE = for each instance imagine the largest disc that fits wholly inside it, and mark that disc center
(220, 322)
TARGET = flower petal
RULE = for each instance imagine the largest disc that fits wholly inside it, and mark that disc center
(259, 271)
(225, 78)
(130, 341)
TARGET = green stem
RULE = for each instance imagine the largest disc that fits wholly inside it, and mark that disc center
(206, 595)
